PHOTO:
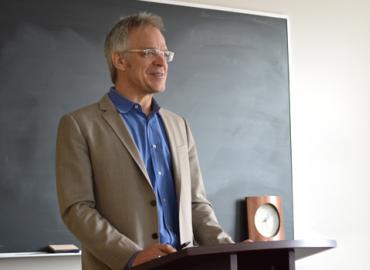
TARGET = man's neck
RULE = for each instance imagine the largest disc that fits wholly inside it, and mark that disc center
(145, 101)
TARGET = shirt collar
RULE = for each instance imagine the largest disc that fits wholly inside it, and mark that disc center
(124, 105)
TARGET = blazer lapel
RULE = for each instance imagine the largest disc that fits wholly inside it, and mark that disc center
(114, 120)
(175, 147)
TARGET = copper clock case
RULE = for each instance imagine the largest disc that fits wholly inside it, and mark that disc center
(252, 205)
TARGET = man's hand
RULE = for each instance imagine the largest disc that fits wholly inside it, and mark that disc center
(153, 252)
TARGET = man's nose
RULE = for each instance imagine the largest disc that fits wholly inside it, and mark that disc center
(160, 60)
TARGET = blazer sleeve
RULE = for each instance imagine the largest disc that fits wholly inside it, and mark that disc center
(75, 190)
(207, 230)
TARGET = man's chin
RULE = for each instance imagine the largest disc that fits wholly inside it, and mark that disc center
(158, 89)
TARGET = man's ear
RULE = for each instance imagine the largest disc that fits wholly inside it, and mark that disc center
(118, 61)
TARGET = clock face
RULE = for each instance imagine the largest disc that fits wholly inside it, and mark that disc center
(267, 220)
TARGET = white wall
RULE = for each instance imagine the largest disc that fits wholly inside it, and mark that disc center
(330, 107)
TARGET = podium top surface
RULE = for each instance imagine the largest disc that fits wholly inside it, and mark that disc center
(301, 248)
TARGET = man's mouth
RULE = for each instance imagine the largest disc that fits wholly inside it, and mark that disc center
(157, 74)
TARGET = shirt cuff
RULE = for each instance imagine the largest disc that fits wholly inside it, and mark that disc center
(131, 260)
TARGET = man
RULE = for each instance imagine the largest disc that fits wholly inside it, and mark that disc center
(128, 178)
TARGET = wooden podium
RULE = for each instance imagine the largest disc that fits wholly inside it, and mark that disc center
(273, 255)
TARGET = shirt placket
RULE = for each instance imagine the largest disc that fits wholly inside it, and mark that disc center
(158, 165)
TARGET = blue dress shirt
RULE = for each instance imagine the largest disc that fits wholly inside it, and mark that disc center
(151, 140)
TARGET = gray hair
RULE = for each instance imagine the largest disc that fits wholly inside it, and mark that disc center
(117, 38)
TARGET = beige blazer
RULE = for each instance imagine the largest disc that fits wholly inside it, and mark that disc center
(105, 196)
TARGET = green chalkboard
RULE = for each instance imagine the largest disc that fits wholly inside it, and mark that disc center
(229, 79)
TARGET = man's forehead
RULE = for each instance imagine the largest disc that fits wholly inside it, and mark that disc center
(146, 35)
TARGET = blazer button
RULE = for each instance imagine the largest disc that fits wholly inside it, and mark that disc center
(155, 235)
(153, 203)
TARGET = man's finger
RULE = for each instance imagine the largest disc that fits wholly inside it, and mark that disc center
(167, 248)
(248, 241)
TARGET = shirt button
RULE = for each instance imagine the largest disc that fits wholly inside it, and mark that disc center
(154, 146)
(153, 203)
(155, 235)
(159, 172)
(136, 106)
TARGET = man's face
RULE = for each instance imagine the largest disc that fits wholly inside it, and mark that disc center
(145, 75)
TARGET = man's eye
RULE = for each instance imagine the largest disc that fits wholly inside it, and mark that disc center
(150, 53)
